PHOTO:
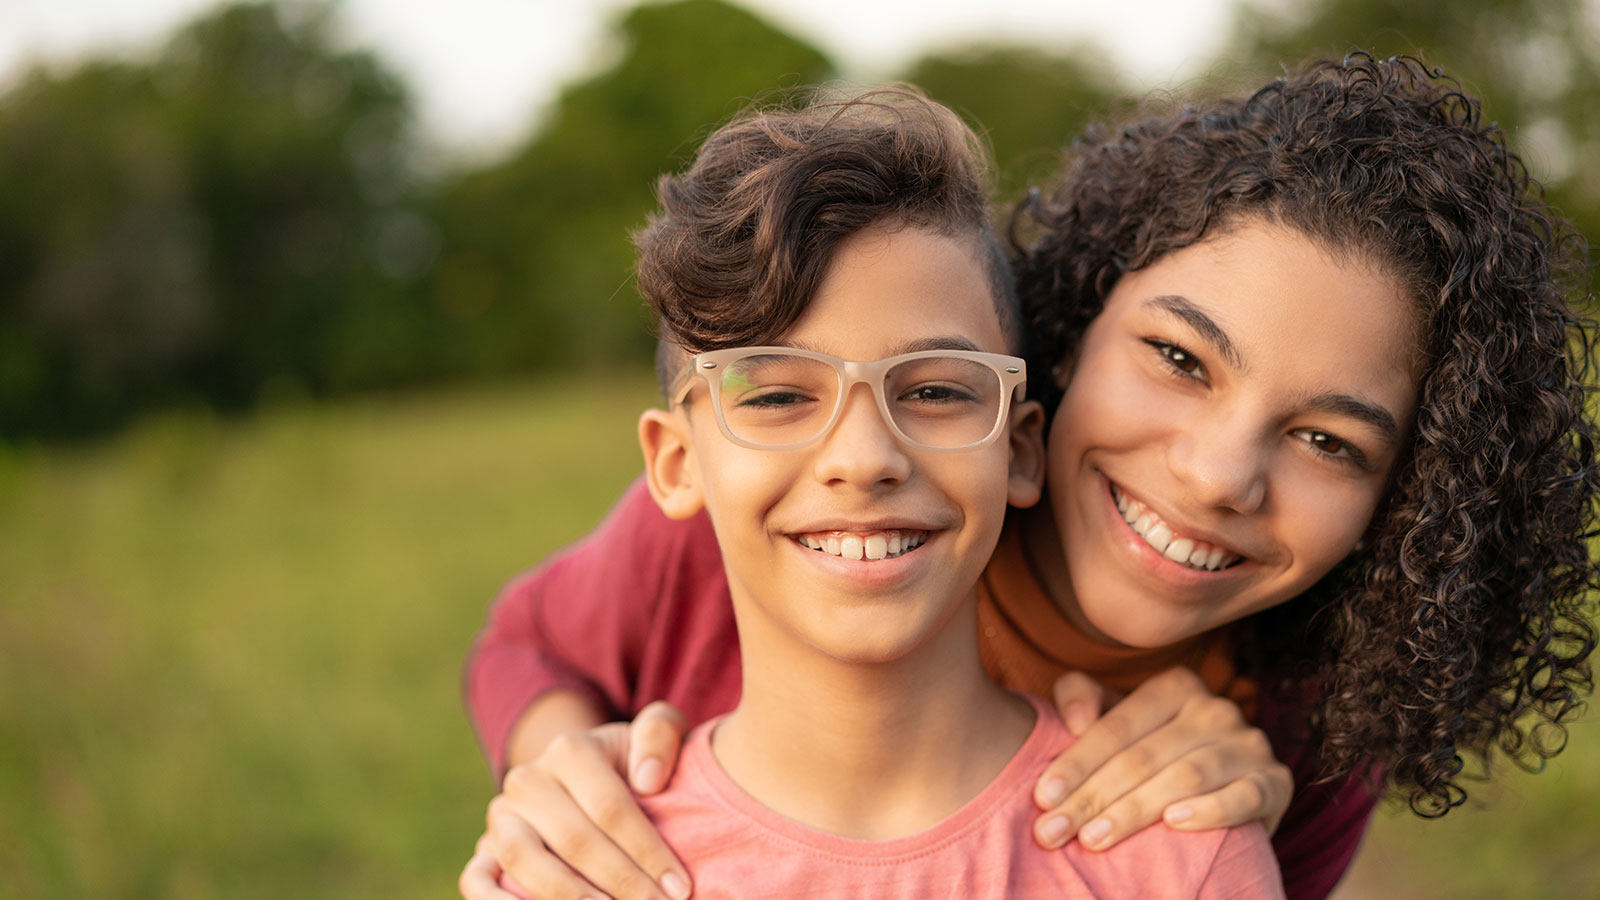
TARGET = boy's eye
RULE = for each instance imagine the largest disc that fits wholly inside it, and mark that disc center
(773, 399)
(937, 393)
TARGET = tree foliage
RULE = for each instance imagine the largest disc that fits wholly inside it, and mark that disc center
(241, 214)
(196, 227)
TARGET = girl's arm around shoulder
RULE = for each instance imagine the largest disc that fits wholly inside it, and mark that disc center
(583, 622)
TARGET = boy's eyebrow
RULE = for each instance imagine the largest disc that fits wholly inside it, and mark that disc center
(914, 346)
(935, 343)
(1203, 325)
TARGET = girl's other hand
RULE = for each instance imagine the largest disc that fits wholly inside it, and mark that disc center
(1170, 750)
(565, 825)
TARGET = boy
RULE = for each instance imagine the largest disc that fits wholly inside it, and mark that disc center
(836, 320)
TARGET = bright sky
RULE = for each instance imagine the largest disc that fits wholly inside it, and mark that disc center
(483, 69)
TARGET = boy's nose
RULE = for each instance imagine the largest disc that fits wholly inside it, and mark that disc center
(862, 449)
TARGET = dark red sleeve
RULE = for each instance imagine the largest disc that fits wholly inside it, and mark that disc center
(636, 611)
(1323, 826)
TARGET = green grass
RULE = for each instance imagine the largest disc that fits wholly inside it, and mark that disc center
(230, 652)
(230, 655)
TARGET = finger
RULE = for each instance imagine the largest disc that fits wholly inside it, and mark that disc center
(1193, 775)
(1209, 735)
(653, 743)
(580, 808)
(1143, 712)
(1262, 794)
(532, 870)
(480, 877)
(1079, 699)
(591, 783)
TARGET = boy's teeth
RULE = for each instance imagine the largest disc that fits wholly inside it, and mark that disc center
(872, 546)
(1186, 551)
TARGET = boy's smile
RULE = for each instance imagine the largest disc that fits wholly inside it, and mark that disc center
(862, 545)
(1232, 419)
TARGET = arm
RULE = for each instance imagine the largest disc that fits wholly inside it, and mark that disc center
(637, 611)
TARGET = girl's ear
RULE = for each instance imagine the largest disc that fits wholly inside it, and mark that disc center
(1027, 454)
(669, 462)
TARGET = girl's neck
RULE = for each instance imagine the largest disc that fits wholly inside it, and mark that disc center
(869, 751)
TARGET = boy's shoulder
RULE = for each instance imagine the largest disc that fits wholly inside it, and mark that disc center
(735, 847)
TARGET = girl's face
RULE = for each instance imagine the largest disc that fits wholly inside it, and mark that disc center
(1231, 422)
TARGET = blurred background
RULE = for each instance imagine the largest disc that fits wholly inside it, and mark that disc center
(316, 325)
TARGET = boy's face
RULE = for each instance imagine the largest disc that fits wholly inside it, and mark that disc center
(887, 292)
(1231, 424)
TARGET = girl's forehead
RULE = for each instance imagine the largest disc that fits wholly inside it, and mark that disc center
(1269, 301)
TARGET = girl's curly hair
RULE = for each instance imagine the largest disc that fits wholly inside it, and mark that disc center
(1460, 627)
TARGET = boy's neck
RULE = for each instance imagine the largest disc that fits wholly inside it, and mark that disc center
(870, 751)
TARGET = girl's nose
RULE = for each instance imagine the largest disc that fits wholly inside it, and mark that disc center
(1223, 465)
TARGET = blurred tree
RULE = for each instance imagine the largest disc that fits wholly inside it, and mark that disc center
(236, 213)
(1536, 66)
(537, 259)
(1029, 102)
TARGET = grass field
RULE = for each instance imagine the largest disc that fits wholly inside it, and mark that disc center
(230, 655)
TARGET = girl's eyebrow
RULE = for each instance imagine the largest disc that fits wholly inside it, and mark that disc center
(1358, 409)
(1203, 325)
(1339, 404)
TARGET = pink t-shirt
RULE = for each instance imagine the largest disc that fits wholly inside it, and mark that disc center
(738, 849)
(639, 611)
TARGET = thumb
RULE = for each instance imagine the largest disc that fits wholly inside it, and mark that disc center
(1080, 700)
(654, 739)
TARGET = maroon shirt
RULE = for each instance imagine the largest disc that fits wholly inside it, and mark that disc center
(639, 611)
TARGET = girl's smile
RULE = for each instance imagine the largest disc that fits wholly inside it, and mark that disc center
(1229, 426)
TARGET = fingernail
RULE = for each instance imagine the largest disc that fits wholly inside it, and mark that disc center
(1054, 831)
(647, 776)
(1078, 718)
(1093, 832)
(1052, 792)
(674, 885)
(1177, 814)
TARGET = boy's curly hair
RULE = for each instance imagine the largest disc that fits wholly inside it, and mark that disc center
(1460, 627)
(745, 235)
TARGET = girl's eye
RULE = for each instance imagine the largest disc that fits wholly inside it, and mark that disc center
(1179, 359)
(1332, 446)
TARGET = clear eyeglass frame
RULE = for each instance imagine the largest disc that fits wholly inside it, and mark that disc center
(1011, 371)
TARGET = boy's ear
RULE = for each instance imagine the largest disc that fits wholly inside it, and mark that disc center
(670, 469)
(1027, 454)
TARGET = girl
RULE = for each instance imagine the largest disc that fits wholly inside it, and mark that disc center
(1325, 356)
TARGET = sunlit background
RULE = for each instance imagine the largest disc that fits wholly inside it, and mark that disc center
(316, 326)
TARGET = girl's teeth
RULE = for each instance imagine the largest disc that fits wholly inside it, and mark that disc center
(1179, 550)
(1159, 537)
(1156, 533)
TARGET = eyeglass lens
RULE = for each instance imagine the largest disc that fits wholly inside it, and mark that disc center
(774, 399)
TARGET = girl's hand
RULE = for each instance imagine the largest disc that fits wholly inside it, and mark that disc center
(1170, 750)
(565, 825)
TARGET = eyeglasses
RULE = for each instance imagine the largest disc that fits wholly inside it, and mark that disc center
(780, 398)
